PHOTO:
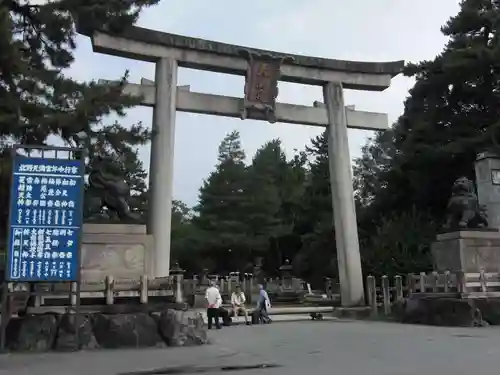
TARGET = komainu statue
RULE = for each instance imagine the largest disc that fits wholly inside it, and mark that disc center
(107, 190)
(464, 210)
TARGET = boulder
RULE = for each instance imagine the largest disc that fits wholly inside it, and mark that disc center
(125, 330)
(12, 332)
(182, 328)
(398, 309)
(453, 312)
(36, 333)
(66, 333)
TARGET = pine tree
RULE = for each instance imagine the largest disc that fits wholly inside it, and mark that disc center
(186, 242)
(275, 189)
(369, 169)
(221, 211)
(317, 195)
(317, 257)
(263, 190)
(230, 150)
(38, 101)
(451, 114)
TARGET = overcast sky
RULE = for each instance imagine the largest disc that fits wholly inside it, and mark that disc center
(365, 30)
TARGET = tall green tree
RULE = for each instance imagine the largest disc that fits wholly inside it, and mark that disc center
(451, 113)
(275, 191)
(186, 243)
(38, 100)
(292, 185)
(370, 168)
(317, 195)
(399, 244)
(222, 204)
(267, 168)
(317, 257)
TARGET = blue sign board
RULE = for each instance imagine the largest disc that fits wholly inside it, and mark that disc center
(45, 219)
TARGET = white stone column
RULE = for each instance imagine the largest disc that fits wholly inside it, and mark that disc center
(344, 211)
(161, 171)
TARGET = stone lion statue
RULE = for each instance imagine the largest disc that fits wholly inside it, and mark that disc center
(107, 190)
(464, 210)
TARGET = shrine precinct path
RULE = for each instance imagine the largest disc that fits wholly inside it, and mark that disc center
(325, 347)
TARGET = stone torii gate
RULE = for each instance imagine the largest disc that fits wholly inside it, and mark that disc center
(262, 69)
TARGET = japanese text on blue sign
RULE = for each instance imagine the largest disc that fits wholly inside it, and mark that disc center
(45, 219)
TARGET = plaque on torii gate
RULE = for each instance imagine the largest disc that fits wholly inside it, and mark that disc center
(261, 85)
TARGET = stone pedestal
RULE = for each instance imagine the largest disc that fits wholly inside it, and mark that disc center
(468, 251)
(487, 168)
(120, 250)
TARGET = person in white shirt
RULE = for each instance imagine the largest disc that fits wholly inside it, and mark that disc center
(238, 302)
(214, 301)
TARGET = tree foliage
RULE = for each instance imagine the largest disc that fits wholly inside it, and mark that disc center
(451, 114)
(40, 103)
(222, 200)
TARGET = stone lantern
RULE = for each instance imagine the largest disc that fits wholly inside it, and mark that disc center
(286, 274)
(177, 274)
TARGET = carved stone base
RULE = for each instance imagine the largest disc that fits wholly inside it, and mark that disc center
(120, 250)
(468, 251)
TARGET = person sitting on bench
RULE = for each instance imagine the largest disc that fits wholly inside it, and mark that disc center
(238, 302)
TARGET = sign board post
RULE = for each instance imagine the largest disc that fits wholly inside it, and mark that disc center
(45, 221)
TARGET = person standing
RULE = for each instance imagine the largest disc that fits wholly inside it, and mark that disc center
(263, 304)
(238, 301)
(214, 301)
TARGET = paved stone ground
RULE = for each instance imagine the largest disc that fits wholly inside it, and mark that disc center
(328, 347)
(276, 318)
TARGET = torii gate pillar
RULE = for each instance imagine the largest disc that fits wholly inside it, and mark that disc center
(344, 209)
(161, 175)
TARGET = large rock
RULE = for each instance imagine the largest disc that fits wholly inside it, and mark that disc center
(66, 334)
(438, 311)
(182, 328)
(12, 332)
(126, 330)
(36, 333)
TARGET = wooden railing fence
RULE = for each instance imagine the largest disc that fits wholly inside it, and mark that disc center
(110, 289)
(380, 294)
(430, 285)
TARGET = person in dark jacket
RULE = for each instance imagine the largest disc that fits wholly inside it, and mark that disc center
(263, 304)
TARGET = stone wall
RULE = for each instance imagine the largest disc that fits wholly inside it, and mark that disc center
(133, 330)
(453, 312)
